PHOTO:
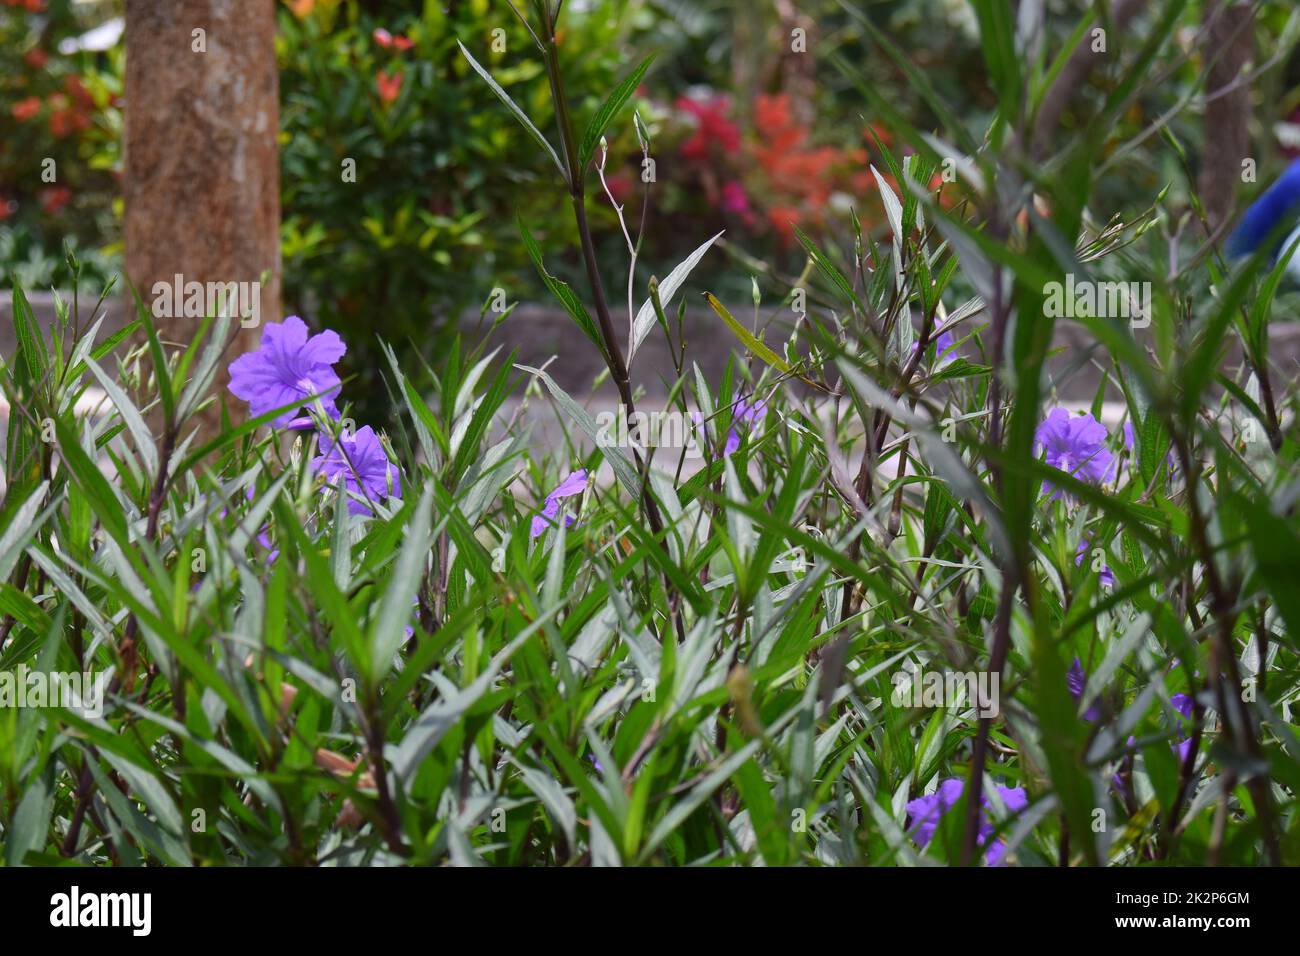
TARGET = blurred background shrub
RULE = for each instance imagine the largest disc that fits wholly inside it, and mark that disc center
(60, 70)
(428, 228)
(754, 111)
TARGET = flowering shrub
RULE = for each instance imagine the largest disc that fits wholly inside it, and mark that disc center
(400, 189)
(766, 181)
(55, 110)
(918, 603)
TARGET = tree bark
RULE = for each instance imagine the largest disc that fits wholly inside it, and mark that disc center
(1230, 36)
(202, 183)
(1070, 81)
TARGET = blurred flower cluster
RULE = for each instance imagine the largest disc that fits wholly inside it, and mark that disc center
(58, 105)
(761, 172)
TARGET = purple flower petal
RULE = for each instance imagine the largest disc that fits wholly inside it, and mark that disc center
(1075, 444)
(945, 349)
(1076, 679)
(926, 812)
(1106, 575)
(289, 367)
(574, 484)
(363, 466)
(746, 415)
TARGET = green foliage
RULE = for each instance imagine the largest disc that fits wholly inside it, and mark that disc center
(57, 113)
(704, 667)
(427, 227)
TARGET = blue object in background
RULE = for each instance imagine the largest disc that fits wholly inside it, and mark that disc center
(1275, 217)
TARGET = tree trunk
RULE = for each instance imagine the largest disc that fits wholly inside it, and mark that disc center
(202, 184)
(1230, 37)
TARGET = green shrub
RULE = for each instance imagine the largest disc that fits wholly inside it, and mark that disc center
(428, 228)
(57, 110)
(439, 644)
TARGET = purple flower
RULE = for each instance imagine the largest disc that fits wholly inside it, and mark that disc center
(574, 484)
(751, 413)
(1183, 704)
(363, 465)
(288, 367)
(745, 413)
(1107, 575)
(1076, 679)
(263, 536)
(945, 349)
(926, 812)
(1075, 444)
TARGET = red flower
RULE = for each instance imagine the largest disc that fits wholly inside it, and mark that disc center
(77, 90)
(620, 187)
(55, 198)
(390, 42)
(24, 110)
(735, 201)
(62, 123)
(783, 220)
(803, 176)
(36, 58)
(714, 131)
(389, 86)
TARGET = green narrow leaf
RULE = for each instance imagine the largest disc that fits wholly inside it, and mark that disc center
(388, 632)
(572, 304)
(608, 110)
(646, 315)
(747, 337)
(511, 105)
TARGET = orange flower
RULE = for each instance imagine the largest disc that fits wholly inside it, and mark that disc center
(783, 220)
(389, 86)
(300, 8)
(24, 110)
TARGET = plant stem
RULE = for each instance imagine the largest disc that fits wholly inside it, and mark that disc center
(577, 197)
